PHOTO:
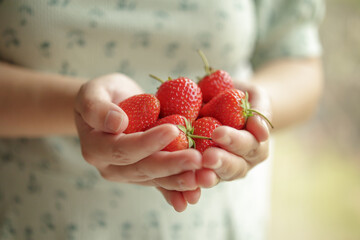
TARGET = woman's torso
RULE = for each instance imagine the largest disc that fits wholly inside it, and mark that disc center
(47, 191)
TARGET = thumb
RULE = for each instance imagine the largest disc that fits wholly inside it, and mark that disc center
(258, 127)
(259, 124)
(102, 115)
(115, 121)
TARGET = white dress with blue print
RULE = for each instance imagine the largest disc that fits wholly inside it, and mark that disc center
(47, 190)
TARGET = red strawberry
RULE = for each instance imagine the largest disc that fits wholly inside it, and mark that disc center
(231, 108)
(179, 96)
(205, 127)
(186, 138)
(181, 142)
(142, 110)
(214, 82)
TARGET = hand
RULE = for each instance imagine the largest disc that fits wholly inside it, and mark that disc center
(240, 150)
(132, 158)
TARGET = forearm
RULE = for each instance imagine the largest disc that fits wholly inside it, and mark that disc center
(34, 104)
(294, 87)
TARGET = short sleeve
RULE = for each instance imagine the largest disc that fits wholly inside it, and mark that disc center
(287, 29)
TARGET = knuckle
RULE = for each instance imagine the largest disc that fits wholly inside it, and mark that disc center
(140, 174)
(242, 172)
(88, 157)
(120, 155)
(227, 172)
(111, 176)
(230, 173)
(252, 153)
(185, 182)
(260, 155)
(180, 184)
(251, 150)
(239, 145)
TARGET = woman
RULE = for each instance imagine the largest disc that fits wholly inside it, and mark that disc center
(105, 186)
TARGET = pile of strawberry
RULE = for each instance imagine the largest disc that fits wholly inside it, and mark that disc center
(197, 109)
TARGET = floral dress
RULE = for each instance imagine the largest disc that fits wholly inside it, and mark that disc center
(47, 190)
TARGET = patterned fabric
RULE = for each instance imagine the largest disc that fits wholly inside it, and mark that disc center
(47, 191)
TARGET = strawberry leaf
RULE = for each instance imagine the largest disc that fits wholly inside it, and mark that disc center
(191, 142)
(182, 128)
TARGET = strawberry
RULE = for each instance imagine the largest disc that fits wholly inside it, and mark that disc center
(231, 108)
(205, 127)
(186, 137)
(179, 96)
(142, 110)
(214, 82)
(181, 141)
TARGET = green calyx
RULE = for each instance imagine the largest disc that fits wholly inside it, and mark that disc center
(188, 129)
(248, 112)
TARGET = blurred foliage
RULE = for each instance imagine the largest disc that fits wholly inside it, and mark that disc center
(316, 180)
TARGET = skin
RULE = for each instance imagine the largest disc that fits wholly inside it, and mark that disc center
(51, 101)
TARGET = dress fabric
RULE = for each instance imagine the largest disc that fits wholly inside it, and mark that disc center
(47, 190)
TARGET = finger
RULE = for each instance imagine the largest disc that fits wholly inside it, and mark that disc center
(163, 164)
(258, 124)
(125, 149)
(239, 142)
(258, 127)
(229, 166)
(158, 165)
(207, 178)
(95, 106)
(174, 198)
(192, 197)
(181, 182)
(131, 148)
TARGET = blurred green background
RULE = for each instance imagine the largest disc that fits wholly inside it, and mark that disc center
(316, 173)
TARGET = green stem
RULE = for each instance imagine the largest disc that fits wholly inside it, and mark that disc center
(248, 112)
(199, 137)
(157, 78)
(205, 61)
(263, 116)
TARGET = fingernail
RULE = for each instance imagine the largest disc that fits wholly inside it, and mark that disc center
(165, 137)
(113, 121)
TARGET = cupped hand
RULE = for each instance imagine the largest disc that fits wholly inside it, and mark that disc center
(132, 158)
(240, 150)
